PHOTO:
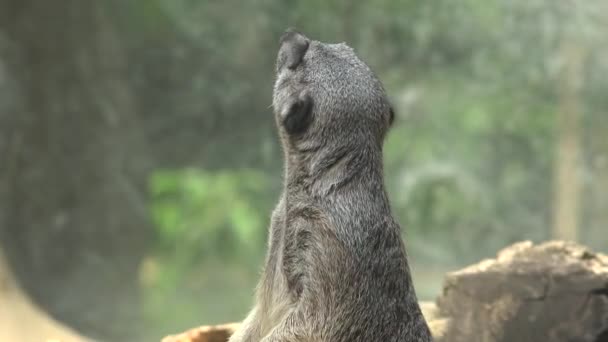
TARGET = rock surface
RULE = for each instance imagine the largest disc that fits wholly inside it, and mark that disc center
(555, 291)
(221, 333)
(215, 333)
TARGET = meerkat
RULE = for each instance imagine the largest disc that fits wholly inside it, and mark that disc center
(336, 269)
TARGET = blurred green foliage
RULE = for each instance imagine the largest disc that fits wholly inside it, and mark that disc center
(210, 230)
(209, 214)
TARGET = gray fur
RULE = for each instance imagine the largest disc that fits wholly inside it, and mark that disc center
(336, 268)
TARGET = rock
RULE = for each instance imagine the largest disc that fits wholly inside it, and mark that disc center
(436, 322)
(555, 291)
(221, 333)
(216, 333)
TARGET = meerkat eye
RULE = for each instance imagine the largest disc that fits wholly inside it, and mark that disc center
(391, 117)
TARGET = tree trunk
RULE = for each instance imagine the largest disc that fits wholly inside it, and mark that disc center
(72, 211)
(596, 215)
(567, 187)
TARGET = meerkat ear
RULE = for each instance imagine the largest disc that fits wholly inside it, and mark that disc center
(292, 50)
(297, 115)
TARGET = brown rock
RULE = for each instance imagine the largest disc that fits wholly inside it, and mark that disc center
(216, 333)
(555, 291)
(436, 322)
(221, 333)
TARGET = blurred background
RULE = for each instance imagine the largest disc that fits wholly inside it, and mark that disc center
(139, 161)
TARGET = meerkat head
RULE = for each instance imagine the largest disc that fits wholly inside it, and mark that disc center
(324, 93)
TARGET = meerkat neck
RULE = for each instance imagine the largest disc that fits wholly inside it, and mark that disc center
(328, 169)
